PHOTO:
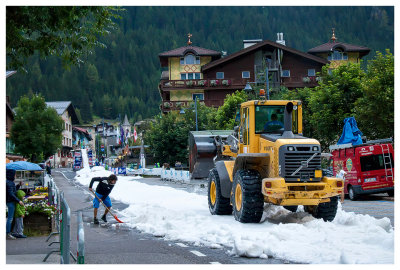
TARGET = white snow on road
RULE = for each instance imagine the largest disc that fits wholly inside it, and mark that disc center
(182, 216)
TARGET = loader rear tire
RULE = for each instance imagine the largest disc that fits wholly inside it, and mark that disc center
(326, 211)
(247, 199)
(217, 204)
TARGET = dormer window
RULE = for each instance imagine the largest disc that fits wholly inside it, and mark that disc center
(190, 59)
(337, 54)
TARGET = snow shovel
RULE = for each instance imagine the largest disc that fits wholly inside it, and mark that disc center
(109, 210)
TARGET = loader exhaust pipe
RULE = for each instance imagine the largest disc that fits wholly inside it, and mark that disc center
(288, 133)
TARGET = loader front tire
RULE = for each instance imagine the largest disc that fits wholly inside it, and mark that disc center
(217, 204)
(326, 211)
(247, 199)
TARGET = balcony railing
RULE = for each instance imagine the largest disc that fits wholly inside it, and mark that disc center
(177, 105)
(293, 81)
(205, 83)
(300, 81)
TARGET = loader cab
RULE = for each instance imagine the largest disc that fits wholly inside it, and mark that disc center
(265, 117)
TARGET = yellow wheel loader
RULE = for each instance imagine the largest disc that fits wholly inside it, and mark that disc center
(267, 160)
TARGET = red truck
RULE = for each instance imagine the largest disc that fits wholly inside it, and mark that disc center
(369, 167)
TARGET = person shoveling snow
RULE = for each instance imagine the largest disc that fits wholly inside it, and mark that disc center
(104, 188)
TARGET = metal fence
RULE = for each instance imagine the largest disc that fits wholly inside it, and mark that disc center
(63, 225)
(80, 253)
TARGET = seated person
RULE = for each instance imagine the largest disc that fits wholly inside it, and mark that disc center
(274, 124)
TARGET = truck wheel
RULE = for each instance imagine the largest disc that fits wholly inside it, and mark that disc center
(217, 204)
(391, 193)
(291, 208)
(326, 211)
(352, 194)
(247, 199)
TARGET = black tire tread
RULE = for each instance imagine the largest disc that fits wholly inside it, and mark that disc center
(253, 200)
(222, 205)
(327, 211)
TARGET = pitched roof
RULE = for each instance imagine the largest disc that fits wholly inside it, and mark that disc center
(62, 106)
(126, 122)
(259, 45)
(182, 51)
(194, 49)
(330, 46)
(10, 73)
(84, 131)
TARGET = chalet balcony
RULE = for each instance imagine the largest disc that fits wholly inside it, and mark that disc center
(300, 81)
(203, 84)
(167, 105)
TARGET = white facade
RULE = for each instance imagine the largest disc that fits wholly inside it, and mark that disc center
(63, 157)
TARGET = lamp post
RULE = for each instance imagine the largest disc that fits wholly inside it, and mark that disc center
(248, 88)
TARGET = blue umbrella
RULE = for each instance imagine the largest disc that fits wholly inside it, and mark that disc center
(23, 166)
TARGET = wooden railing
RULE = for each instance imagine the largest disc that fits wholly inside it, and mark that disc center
(206, 83)
(177, 105)
(302, 81)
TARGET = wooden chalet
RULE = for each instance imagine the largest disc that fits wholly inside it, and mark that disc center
(193, 72)
(183, 81)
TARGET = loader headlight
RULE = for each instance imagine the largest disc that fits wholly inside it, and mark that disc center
(315, 148)
(290, 148)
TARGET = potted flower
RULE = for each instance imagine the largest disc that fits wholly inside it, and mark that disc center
(189, 83)
(214, 82)
(225, 82)
(306, 79)
(202, 83)
(166, 105)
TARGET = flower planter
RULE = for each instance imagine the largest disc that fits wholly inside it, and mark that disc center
(39, 222)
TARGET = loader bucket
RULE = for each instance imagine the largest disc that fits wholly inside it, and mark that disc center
(202, 150)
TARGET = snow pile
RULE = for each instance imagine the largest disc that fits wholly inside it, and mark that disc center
(180, 215)
(85, 158)
(86, 174)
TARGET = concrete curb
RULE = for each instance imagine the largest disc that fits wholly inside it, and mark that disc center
(32, 259)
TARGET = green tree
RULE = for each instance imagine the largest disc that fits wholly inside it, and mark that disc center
(168, 138)
(374, 111)
(333, 100)
(226, 113)
(37, 129)
(205, 117)
(69, 32)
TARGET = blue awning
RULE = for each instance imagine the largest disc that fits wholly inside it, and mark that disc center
(23, 166)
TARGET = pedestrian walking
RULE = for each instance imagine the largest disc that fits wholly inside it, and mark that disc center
(342, 175)
(11, 200)
(18, 230)
(48, 168)
(103, 189)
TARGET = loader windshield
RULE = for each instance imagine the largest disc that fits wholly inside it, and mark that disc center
(270, 119)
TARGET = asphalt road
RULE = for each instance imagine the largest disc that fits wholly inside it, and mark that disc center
(120, 244)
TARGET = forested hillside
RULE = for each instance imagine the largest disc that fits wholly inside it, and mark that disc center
(123, 78)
